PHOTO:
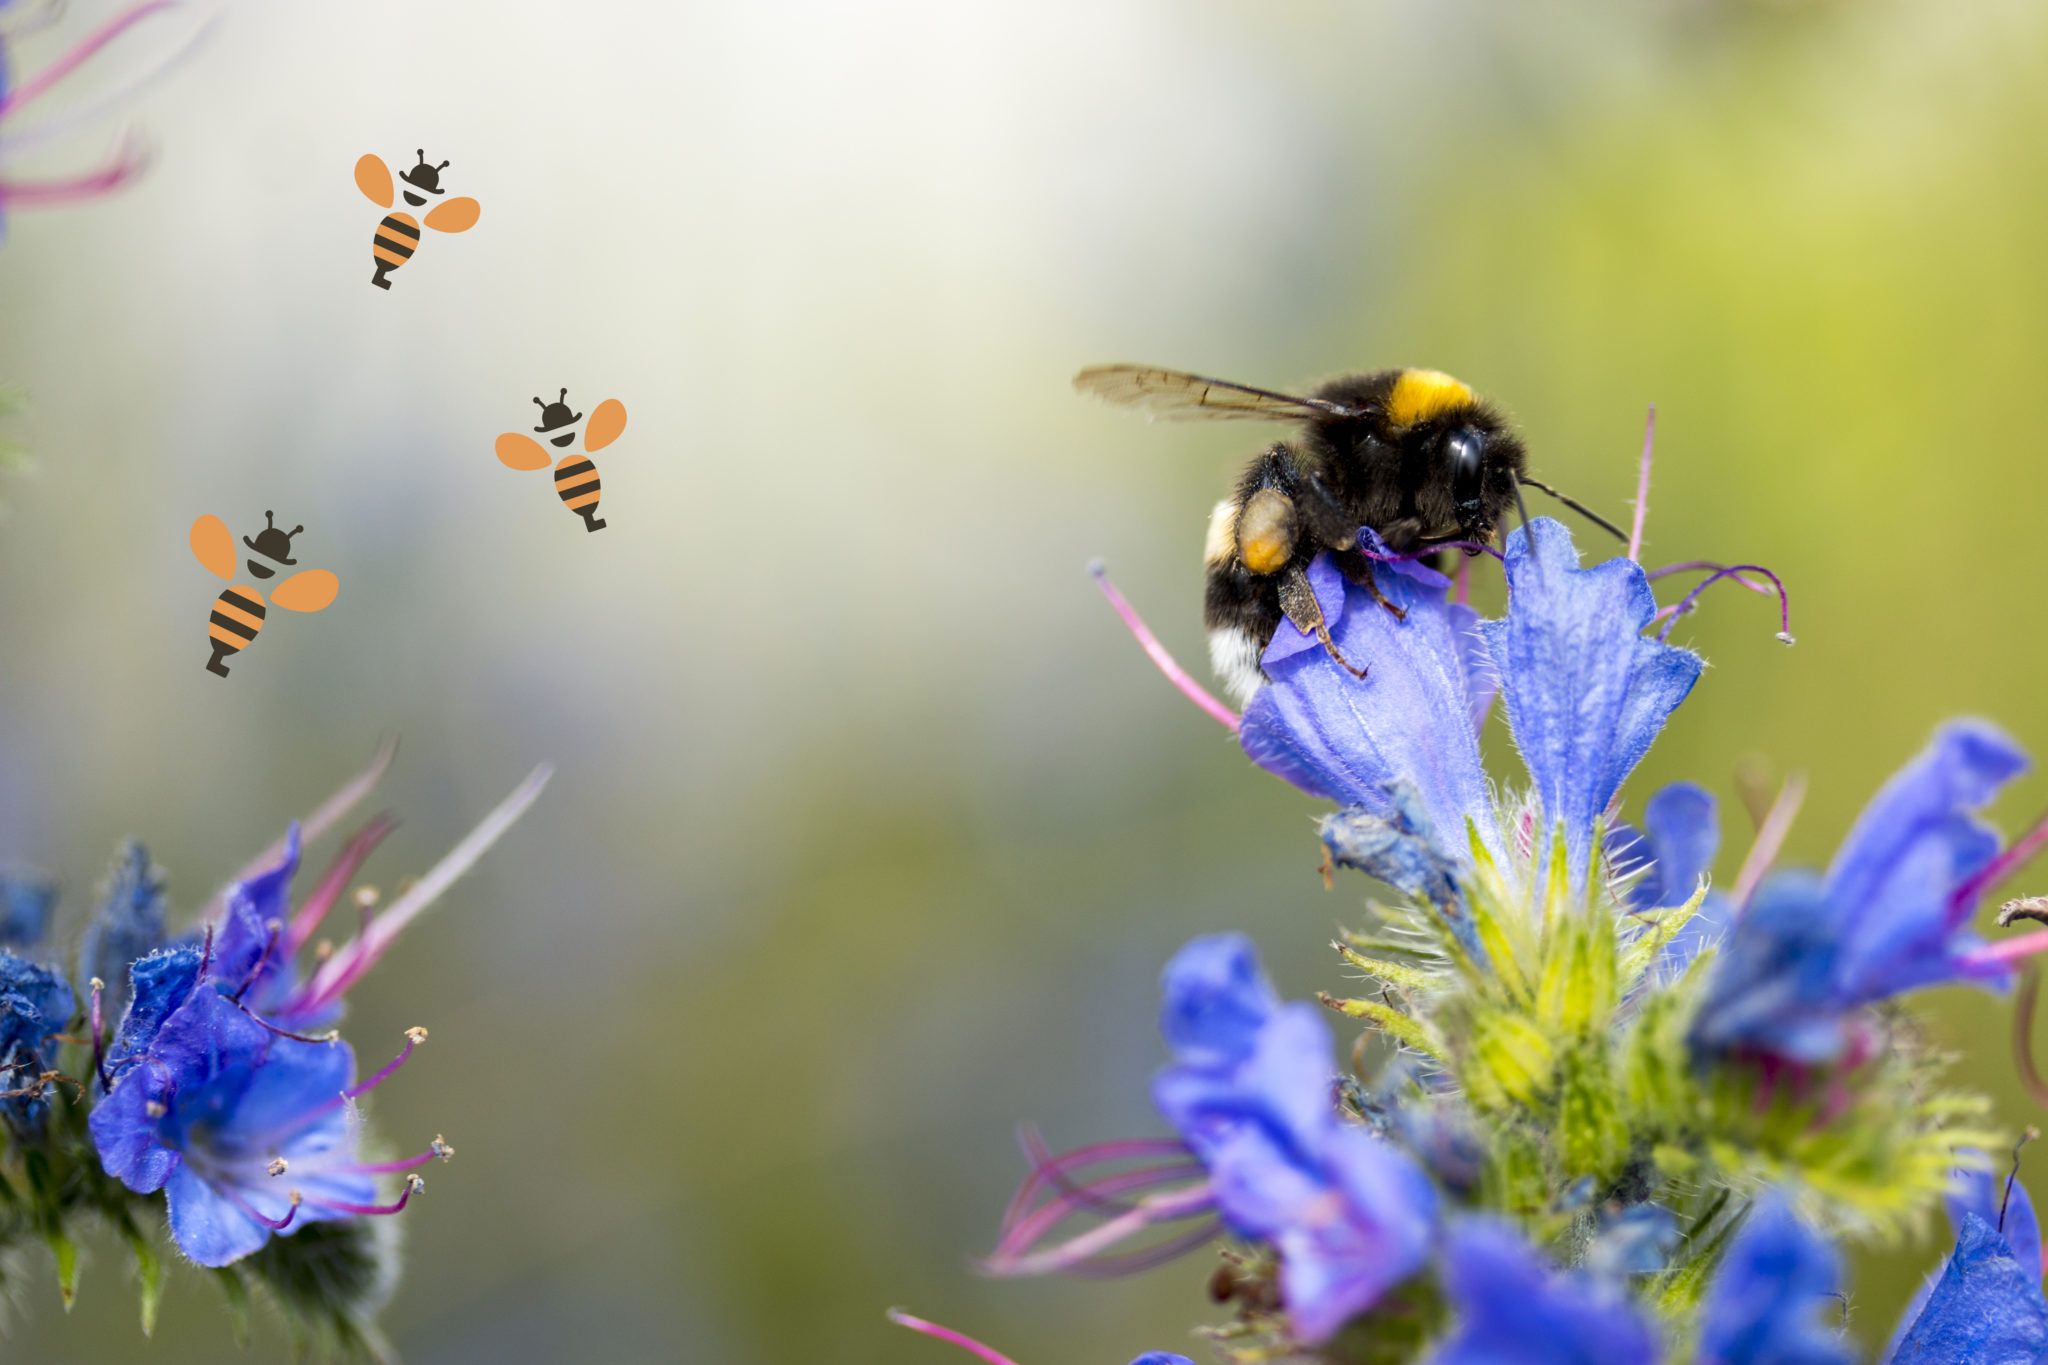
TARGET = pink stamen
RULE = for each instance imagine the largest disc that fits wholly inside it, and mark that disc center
(324, 817)
(947, 1334)
(413, 1185)
(274, 1224)
(306, 919)
(1034, 1226)
(1635, 534)
(262, 959)
(1078, 1250)
(1163, 660)
(413, 1038)
(1770, 838)
(1670, 615)
(2004, 865)
(2007, 951)
(36, 85)
(346, 967)
(97, 1022)
(127, 163)
(1054, 1170)
(436, 1152)
(1046, 1168)
(323, 1039)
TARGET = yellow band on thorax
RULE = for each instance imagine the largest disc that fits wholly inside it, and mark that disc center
(1422, 394)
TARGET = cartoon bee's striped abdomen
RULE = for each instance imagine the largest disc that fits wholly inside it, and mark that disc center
(398, 236)
(576, 483)
(237, 616)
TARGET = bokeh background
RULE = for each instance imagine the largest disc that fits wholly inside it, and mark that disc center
(871, 828)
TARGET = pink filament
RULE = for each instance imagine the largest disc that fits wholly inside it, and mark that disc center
(1047, 1168)
(947, 1334)
(1027, 1230)
(106, 33)
(374, 1210)
(1164, 661)
(384, 1073)
(306, 919)
(1635, 535)
(126, 164)
(1076, 1251)
(1669, 615)
(388, 1167)
(2007, 951)
(274, 1224)
(2005, 864)
(1770, 838)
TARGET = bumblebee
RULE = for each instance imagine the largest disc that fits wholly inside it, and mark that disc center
(1413, 454)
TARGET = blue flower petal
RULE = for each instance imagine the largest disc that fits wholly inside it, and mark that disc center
(158, 984)
(1398, 847)
(1214, 1000)
(1983, 1193)
(242, 941)
(1282, 1085)
(1913, 847)
(129, 924)
(1985, 1309)
(1162, 1358)
(1681, 835)
(1513, 1309)
(1414, 718)
(1767, 1301)
(1585, 692)
(35, 1003)
(124, 1132)
(1774, 987)
(1340, 1257)
(210, 1227)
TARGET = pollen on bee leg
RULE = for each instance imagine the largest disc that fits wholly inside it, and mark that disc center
(1157, 652)
(278, 1166)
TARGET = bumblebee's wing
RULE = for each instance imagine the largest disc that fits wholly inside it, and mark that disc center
(454, 215)
(307, 591)
(1179, 395)
(373, 178)
(522, 452)
(213, 545)
(607, 420)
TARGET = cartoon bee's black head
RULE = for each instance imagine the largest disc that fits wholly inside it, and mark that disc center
(424, 177)
(556, 415)
(272, 544)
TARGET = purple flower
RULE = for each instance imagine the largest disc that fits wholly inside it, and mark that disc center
(35, 1004)
(1585, 694)
(1511, 1307)
(248, 1133)
(1250, 1093)
(1766, 1303)
(1985, 1309)
(1890, 916)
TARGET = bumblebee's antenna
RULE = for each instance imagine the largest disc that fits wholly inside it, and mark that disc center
(1588, 513)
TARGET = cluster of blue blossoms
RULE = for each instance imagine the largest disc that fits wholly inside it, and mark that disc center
(221, 1083)
(1619, 1114)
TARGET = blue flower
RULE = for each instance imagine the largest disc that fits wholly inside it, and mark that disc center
(1765, 1305)
(1890, 916)
(1986, 1309)
(1585, 694)
(1978, 1194)
(128, 925)
(1676, 847)
(1513, 1308)
(1250, 1092)
(248, 1133)
(35, 1003)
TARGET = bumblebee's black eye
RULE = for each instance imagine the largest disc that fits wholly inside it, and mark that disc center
(1465, 453)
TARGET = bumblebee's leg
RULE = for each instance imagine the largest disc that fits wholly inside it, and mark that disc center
(1322, 515)
(1358, 568)
(1298, 601)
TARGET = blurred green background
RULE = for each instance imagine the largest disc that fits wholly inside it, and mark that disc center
(871, 828)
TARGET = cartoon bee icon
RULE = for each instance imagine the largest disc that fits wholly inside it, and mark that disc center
(398, 236)
(238, 612)
(576, 479)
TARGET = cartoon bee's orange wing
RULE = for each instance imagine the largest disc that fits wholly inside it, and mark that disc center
(213, 545)
(309, 591)
(522, 452)
(455, 215)
(373, 178)
(606, 422)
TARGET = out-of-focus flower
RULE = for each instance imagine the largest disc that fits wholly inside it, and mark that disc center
(1673, 852)
(25, 905)
(128, 924)
(1766, 1303)
(1511, 1307)
(1891, 915)
(35, 1005)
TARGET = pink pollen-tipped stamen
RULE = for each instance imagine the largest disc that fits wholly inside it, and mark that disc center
(262, 959)
(1635, 534)
(2005, 952)
(413, 1185)
(391, 1167)
(413, 1038)
(1050, 1168)
(96, 1020)
(306, 918)
(362, 952)
(321, 1039)
(78, 56)
(1770, 838)
(1669, 615)
(1998, 869)
(947, 1334)
(274, 1224)
(1159, 655)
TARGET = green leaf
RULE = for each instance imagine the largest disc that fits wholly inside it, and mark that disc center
(149, 1272)
(66, 1252)
(235, 1290)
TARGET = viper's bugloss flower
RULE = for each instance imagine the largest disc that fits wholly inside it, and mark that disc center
(1768, 1300)
(1670, 856)
(25, 905)
(1985, 1309)
(248, 1132)
(1511, 1307)
(1890, 915)
(35, 1005)
(1584, 690)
